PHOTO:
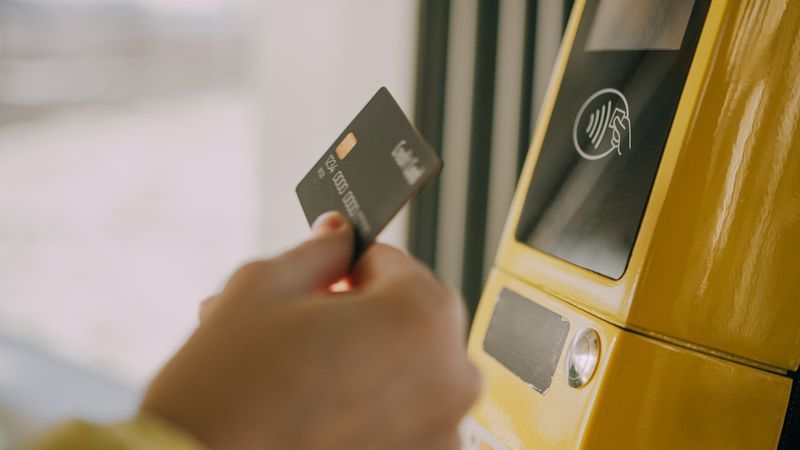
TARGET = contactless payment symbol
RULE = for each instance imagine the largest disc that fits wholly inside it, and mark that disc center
(603, 125)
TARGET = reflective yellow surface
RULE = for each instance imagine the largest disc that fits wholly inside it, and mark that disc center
(716, 264)
(645, 394)
(723, 268)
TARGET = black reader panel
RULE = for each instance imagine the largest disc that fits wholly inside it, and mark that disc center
(612, 115)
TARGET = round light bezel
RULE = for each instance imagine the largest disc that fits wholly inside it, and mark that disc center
(582, 358)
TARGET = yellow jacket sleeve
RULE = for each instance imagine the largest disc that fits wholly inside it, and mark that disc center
(139, 433)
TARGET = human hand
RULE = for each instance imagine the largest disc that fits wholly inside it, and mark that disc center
(280, 362)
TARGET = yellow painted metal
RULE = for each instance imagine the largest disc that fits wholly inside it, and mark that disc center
(716, 263)
(646, 394)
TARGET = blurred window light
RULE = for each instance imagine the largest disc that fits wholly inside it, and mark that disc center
(61, 53)
(129, 174)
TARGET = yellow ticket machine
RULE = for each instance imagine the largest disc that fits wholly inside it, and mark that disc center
(646, 293)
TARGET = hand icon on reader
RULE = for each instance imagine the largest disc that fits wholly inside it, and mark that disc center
(619, 123)
(606, 109)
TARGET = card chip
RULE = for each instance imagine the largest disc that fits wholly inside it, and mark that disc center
(346, 146)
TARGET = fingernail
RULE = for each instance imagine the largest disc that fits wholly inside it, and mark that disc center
(330, 221)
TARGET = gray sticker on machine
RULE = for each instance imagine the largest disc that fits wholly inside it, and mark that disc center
(526, 338)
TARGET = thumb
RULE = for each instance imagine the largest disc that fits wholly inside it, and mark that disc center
(323, 259)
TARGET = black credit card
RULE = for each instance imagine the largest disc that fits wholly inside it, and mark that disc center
(374, 167)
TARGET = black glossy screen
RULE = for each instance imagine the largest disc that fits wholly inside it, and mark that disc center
(601, 151)
(639, 25)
